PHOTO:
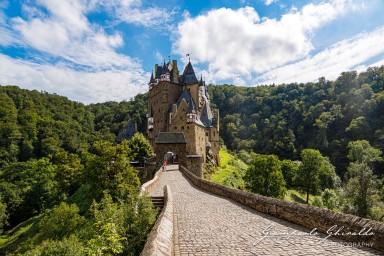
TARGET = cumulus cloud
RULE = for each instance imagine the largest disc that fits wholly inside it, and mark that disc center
(343, 56)
(86, 87)
(239, 42)
(66, 33)
(86, 67)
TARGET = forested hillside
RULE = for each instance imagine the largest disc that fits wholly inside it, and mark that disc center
(324, 115)
(64, 186)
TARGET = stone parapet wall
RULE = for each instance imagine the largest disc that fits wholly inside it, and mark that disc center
(160, 240)
(148, 187)
(194, 164)
(354, 229)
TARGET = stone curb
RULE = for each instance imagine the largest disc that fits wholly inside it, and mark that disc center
(302, 214)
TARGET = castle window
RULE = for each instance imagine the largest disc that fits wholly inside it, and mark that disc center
(175, 127)
(182, 128)
(188, 127)
(206, 134)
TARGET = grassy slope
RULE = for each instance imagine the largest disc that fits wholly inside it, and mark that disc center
(230, 172)
(15, 237)
(295, 196)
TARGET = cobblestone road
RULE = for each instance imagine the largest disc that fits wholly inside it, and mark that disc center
(208, 224)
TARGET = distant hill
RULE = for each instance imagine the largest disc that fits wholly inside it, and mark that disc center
(284, 119)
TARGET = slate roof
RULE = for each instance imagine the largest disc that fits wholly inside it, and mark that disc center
(164, 69)
(206, 115)
(189, 76)
(170, 138)
(186, 95)
(128, 132)
(152, 80)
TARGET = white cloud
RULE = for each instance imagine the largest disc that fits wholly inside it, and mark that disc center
(268, 2)
(238, 42)
(87, 67)
(86, 87)
(66, 33)
(7, 37)
(343, 56)
(133, 12)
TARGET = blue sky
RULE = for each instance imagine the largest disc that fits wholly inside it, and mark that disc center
(96, 51)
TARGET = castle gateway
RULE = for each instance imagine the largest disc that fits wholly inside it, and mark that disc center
(180, 119)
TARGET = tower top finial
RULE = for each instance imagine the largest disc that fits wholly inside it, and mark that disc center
(189, 58)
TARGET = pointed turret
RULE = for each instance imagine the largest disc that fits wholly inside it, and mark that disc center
(152, 80)
(164, 69)
(189, 76)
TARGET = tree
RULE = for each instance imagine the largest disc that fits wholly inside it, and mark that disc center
(140, 148)
(107, 168)
(3, 214)
(264, 176)
(314, 172)
(362, 184)
(289, 169)
(61, 221)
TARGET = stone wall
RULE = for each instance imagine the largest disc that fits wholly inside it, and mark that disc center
(148, 186)
(160, 240)
(305, 215)
(194, 163)
(148, 171)
(179, 149)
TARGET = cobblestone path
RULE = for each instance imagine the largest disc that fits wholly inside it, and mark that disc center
(207, 224)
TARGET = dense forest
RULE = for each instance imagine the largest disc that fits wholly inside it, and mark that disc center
(324, 139)
(285, 119)
(64, 186)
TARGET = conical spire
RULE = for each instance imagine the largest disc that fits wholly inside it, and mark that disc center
(165, 68)
(189, 76)
(152, 80)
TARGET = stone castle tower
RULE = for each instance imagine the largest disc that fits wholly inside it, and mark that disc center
(180, 119)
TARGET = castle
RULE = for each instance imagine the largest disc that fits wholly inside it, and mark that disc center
(180, 119)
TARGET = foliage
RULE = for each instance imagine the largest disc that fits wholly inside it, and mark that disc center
(318, 202)
(330, 199)
(29, 188)
(231, 171)
(285, 119)
(70, 246)
(362, 184)
(3, 215)
(264, 176)
(316, 173)
(107, 168)
(289, 169)
(140, 148)
(61, 221)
